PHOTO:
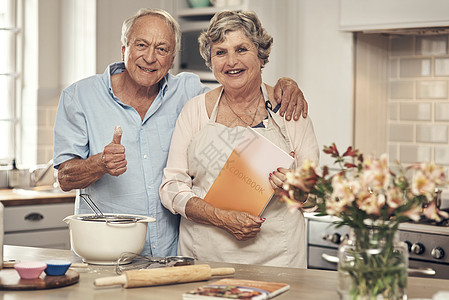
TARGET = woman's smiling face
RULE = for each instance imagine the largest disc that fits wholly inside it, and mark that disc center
(235, 62)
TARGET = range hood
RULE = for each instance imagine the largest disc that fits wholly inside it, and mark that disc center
(411, 31)
(423, 17)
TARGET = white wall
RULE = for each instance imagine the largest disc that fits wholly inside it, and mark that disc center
(324, 71)
(280, 20)
(40, 80)
(110, 16)
(78, 40)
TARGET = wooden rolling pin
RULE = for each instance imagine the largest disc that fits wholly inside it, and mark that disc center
(170, 275)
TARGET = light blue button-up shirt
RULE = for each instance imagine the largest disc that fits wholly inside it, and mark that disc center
(87, 114)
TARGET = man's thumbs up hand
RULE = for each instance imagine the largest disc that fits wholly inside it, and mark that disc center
(117, 138)
(113, 158)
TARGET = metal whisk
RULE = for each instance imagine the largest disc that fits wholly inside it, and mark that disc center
(91, 204)
(133, 261)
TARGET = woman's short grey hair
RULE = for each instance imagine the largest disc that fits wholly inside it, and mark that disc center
(233, 20)
(171, 22)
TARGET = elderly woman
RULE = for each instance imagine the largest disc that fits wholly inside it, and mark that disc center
(236, 47)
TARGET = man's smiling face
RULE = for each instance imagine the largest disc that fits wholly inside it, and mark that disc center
(150, 51)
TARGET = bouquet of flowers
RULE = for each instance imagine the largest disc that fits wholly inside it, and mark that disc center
(372, 199)
(366, 188)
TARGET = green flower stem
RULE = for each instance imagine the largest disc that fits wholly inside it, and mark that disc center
(376, 267)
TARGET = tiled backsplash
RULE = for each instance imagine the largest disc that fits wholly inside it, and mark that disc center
(418, 100)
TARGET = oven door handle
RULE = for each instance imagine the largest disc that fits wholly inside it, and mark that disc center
(425, 271)
(330, 258)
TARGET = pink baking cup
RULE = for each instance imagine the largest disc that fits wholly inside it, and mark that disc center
(31, 269)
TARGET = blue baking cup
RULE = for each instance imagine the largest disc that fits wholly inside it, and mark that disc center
(57, 267)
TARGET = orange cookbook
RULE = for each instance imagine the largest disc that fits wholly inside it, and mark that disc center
(242, 183)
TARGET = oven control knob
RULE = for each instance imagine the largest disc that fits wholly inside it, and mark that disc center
(409, 245)
(333, 238)
(336, 238)
(418, 248)
(437, 253)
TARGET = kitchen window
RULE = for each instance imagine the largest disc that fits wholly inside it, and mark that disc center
(9, 77)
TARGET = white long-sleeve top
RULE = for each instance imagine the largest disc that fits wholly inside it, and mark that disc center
(281, 239)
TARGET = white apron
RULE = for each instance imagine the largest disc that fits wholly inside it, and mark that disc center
(281, 239)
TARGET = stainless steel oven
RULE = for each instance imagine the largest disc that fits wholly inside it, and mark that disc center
(428, 246)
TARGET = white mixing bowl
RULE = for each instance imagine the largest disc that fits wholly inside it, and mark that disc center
(101, 241)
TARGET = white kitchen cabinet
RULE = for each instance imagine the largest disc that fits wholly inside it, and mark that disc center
(38, 225)
(361, 15)
(54, 238)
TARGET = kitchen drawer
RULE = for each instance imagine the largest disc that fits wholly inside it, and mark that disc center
(59, 239)
(36, 217)
(315, 259)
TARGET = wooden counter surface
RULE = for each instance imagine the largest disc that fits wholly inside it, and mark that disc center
(305, 284)
(11, 197)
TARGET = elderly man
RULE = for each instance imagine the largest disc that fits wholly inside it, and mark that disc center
(144, 99)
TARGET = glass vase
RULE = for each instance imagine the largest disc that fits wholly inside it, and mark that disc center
(372, 265)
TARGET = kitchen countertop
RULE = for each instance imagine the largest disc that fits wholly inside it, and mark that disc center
(16, 197)
(305, 284)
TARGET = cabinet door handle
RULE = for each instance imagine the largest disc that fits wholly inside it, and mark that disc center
(34, 217)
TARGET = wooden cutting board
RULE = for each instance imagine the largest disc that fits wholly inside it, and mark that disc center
(10, 280)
